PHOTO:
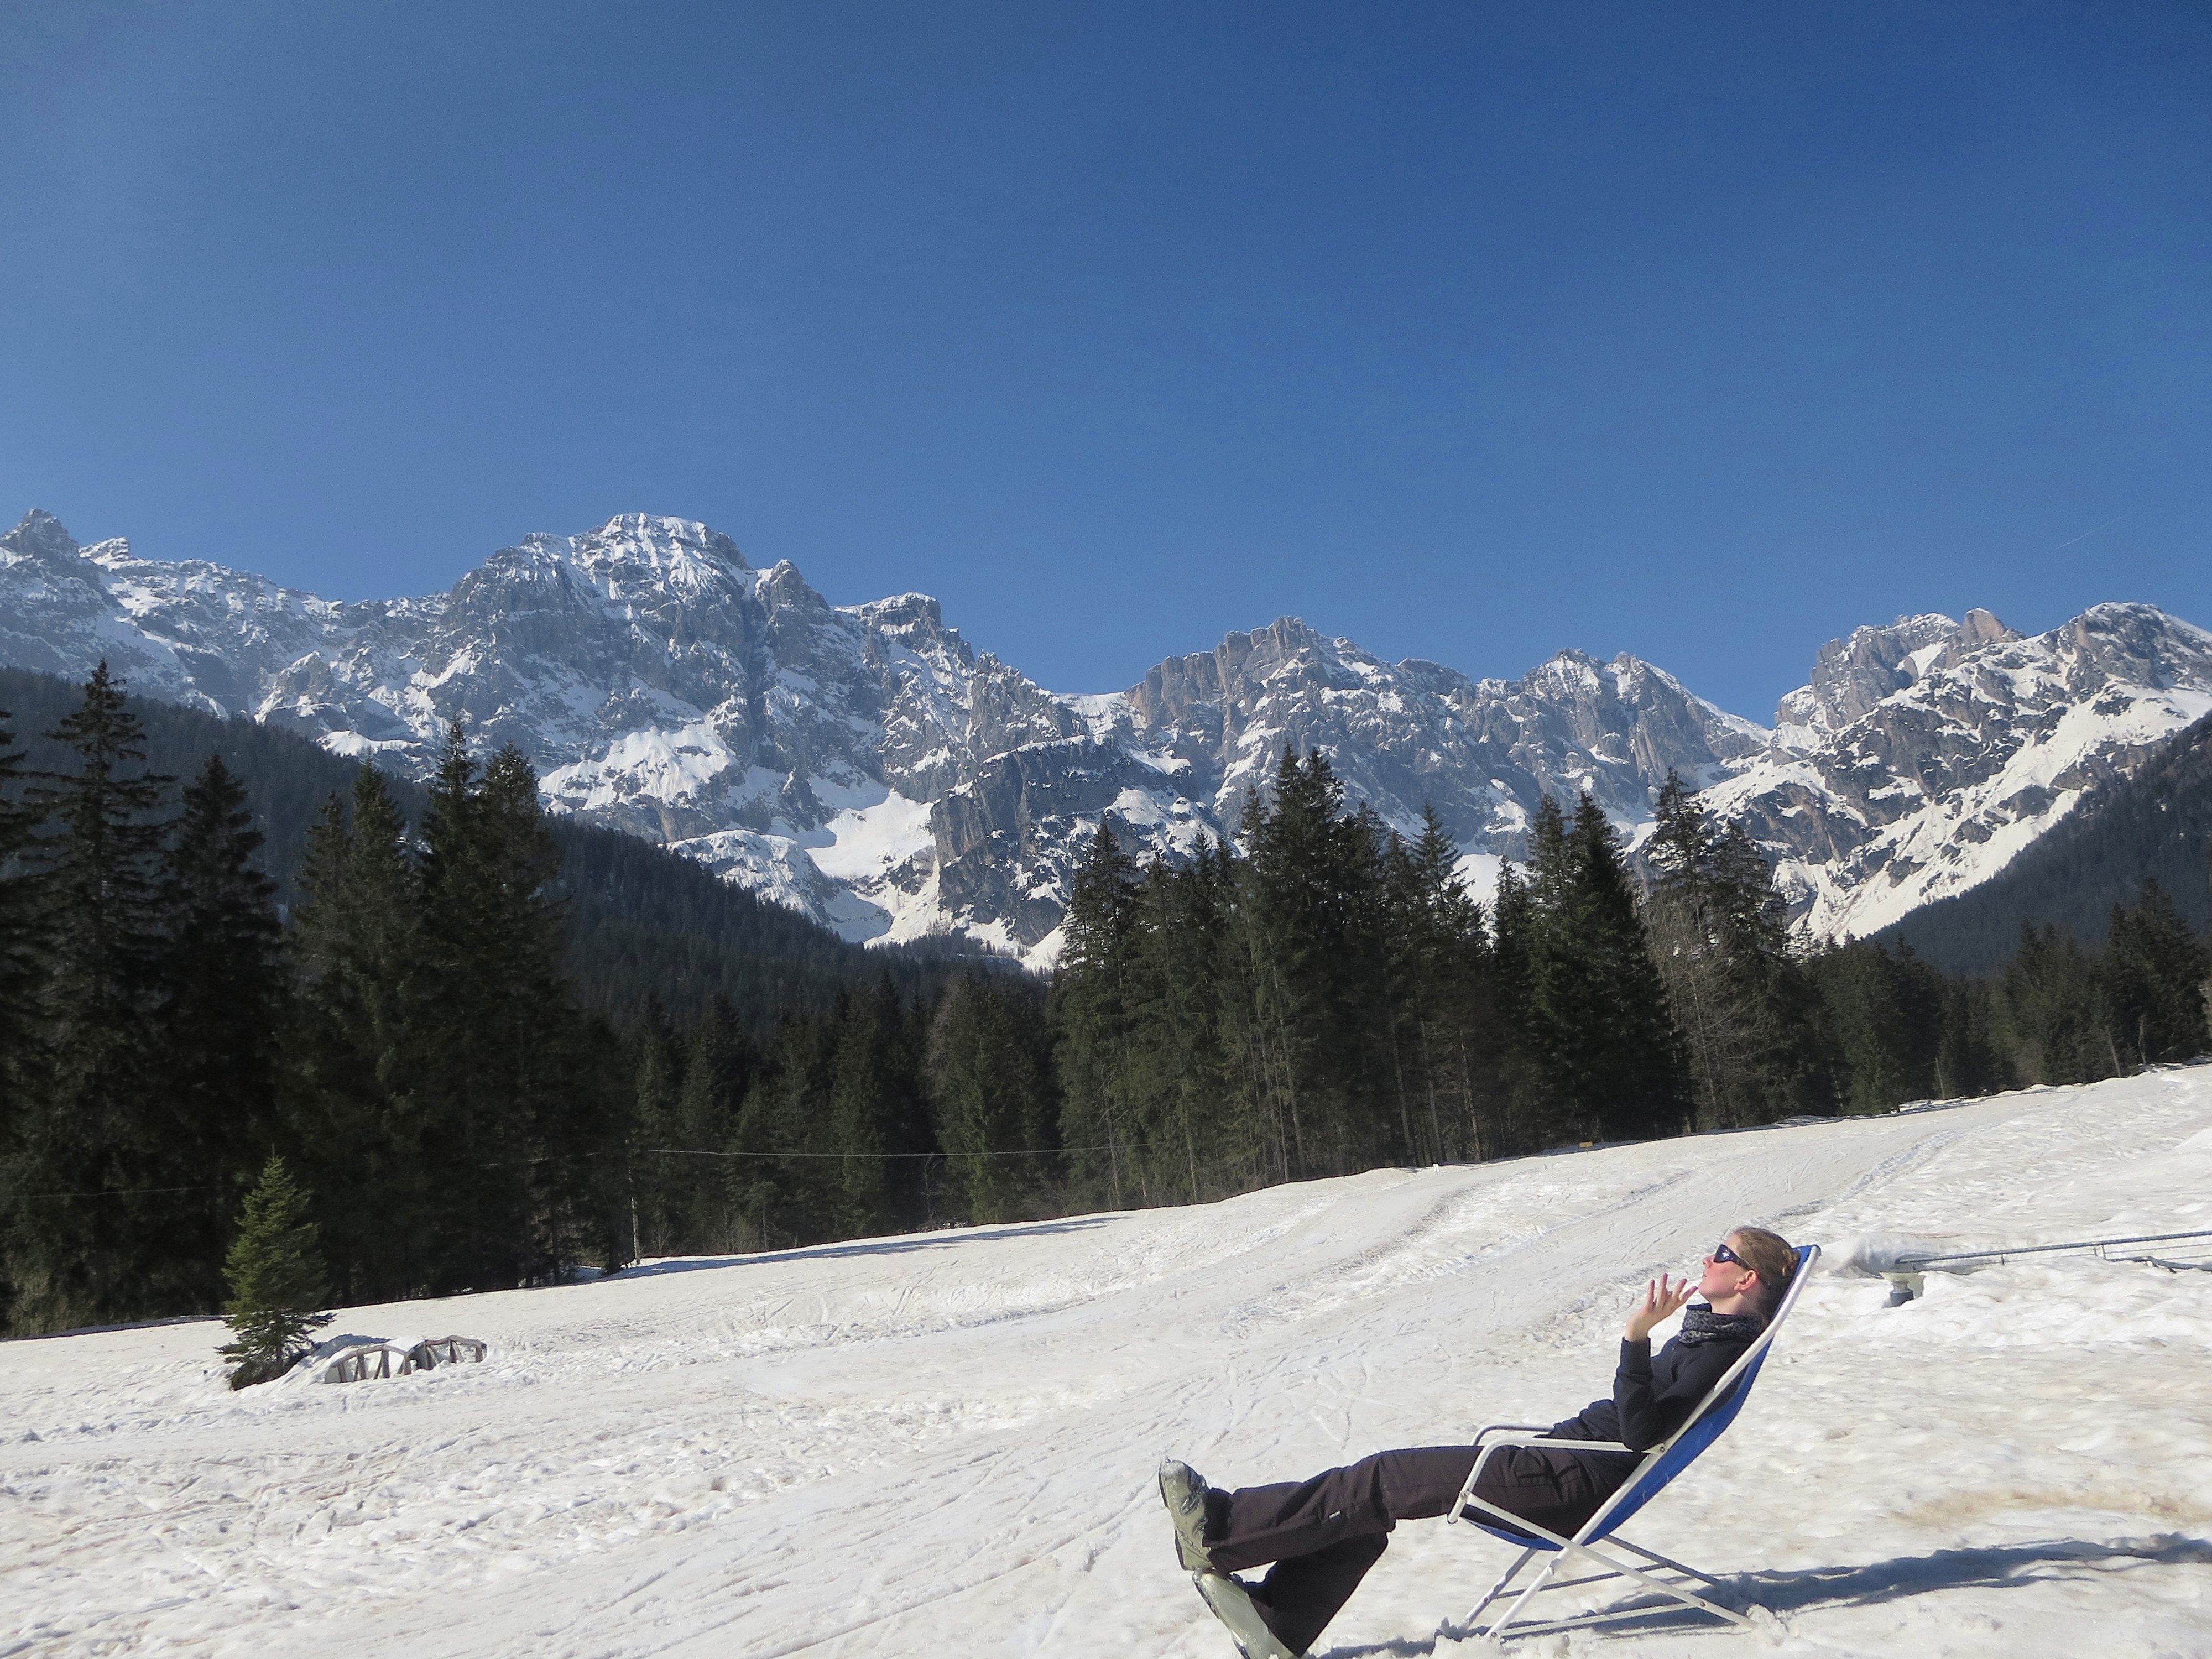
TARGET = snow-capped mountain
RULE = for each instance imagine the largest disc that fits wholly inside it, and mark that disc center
(1926, 754)
(864, 764)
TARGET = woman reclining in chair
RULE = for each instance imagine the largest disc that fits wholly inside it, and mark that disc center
(1324, 1534)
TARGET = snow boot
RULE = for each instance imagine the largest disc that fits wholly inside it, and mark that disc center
(1184, 1494)
(1233, 1605)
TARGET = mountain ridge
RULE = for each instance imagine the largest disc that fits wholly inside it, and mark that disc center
(867, 765)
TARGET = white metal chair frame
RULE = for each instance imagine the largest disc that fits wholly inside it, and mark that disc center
(1631, 1495)
(369, 1360)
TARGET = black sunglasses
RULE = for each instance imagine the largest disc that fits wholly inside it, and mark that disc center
(1721, 1253)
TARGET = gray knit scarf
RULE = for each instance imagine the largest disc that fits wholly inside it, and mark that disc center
(1702, 1324)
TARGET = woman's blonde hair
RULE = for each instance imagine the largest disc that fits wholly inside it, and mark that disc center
(1772, 1257)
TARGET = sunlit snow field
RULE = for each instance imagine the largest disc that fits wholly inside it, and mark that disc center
(944, 1443)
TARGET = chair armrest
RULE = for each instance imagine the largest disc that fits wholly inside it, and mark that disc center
(1535, 1434)
(1489, 1429)
(1521, 1434)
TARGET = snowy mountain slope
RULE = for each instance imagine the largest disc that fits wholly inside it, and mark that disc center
(944, 1443)
(866, 765)
(2150, 826)
(191, 633)
(1925, 755)
(862, 763)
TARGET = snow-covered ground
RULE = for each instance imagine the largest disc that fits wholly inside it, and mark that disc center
(944, 1445)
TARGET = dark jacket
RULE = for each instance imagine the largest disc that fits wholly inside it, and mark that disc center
(1652, 1394)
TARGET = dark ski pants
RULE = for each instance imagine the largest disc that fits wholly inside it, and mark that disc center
(1324, 1534)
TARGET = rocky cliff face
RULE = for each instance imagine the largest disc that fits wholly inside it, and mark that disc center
(1924, 756)
(864, 764)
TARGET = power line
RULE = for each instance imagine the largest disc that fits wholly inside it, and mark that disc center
(129, 1192)
(1025, 1151)
(663, 1151)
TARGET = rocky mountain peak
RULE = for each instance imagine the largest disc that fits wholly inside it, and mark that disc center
(914, 619)
(41, 536)
(1970, 740)
(639, 556)
(866, 764)
(1851, 674)
(2133, 642)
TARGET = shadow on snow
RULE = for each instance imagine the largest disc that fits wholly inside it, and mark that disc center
(2012, 1567)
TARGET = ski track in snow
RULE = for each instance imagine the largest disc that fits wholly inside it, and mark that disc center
(944, 1443)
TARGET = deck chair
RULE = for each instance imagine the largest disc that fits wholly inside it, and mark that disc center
(1661, 1464)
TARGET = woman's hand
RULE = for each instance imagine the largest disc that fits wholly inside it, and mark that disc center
(1663, 1298)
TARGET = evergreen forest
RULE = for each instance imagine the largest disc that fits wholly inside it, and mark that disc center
(486, 1048)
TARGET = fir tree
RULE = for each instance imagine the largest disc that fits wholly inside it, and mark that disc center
(276, 1279)
(1442, 1018)
(2152, 966)
(1631, 1076)
(221, 995)
(1736, 990)
(873, 1105)
(500, 1052)
(356, 1060)
(1195, 1133)
(718, 1069)
(2053, 1006)
(1597, 1015)
(21, 952)
(1311, 882)
(652, 1167)
(990, 1082)
(96, 1257)
(20, 966)
(1883, 1014)
(1969, 1057)
(1092, 1020)
(784, 1189)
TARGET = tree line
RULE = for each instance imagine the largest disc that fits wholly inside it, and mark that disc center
(1330, 999)
(640, 922)
(408, 1041)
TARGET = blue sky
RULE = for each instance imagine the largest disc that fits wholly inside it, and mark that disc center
(1471, 332)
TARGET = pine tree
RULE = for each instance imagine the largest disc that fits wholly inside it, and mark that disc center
(1736, 989)
(653, 1166)
(356, 1060)
(20, 971)
(222, 992)
(501, 1058)
(718, 1069)
(1884, 1016)
(1597, 1017)
(1091, 1020)
(2152, 966)
(276, 1279)
(990, 1082)
(96, 1256)
(872, 1104)
(1311, 931)
(1441, 1016)
(2053, 1006)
